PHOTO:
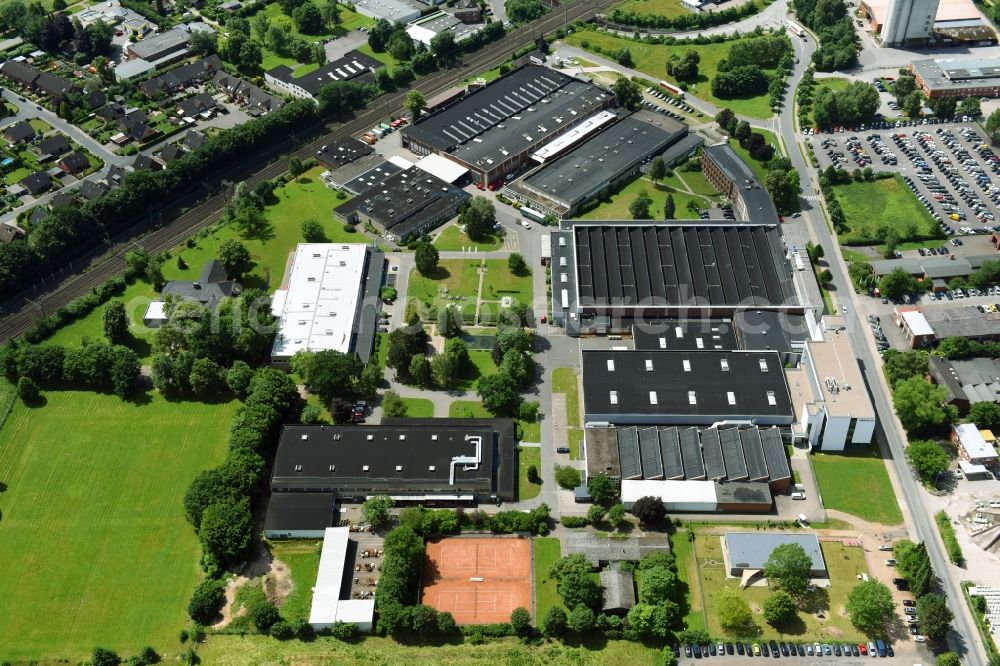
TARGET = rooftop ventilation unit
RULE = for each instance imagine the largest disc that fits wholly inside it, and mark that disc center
(399, 468)
(305, 437)
(613, 395)
(365, 468)
(333, 468)
(298, 468)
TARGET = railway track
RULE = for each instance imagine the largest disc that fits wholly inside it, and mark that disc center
(111, 262)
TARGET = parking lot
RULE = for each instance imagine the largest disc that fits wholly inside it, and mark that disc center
(948, 167)
(782, 649)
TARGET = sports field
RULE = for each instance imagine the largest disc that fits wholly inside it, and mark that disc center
(479, 581)
(93, 539)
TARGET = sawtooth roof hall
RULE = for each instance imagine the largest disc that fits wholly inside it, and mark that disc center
(605, 272)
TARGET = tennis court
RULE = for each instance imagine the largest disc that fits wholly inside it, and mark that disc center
(479, 581)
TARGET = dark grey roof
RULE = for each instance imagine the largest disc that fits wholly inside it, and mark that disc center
(775, 455)
(371, 171)
(588, 167)
(760, 206)
(670, 450)
(208, 292)
(183, 76)
(683, 386)
(598, 549)
(619, 590)
(972, 379)
(145, 163)
(61, 199)
(711, 447)
(743, 493)
(750, 550)
(158, 46)
(17, 71)
(649, 453)
(213, 271)
(343, 151)
(300, 511)
(628, 450)
(36, 182)
(352, 65)
(732, 454)
(676, 334)
(56, 144)
(194, 140)
(765, 329)
(694, 466)
(469, 129)
(171, 152)
(681, 264)
(96, 99)
(75, 162)
(52, 85)
(753, 452)
(19, 131)
(90, 190)
(198, 103)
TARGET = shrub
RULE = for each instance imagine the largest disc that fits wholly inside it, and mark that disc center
(567, 477)
(206, 601)
(282, 630)
(949, 538)
(573, 521)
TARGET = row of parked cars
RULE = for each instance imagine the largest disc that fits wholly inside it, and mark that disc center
(885, 124)
(777, 649)
(880, 340)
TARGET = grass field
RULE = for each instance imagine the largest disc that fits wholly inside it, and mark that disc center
(617, 208)
(843, 564)
(687, 573)
(756, 166)
(473, 409)
(458, 278)
(223, 650)
(302, 558)
(547, 552)
(882, 204)
(564, 380)
(651, 58)
(856, 482)
(527, 456)
(93, 536)
(418, 408)
(454, 239)
(668, 8)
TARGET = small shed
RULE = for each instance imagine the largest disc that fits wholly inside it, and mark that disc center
(155, 315)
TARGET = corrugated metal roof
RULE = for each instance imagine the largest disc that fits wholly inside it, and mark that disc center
(670, 453)
(694, 466)
(649, 454)
(628, 452)
(732, 454)
(711, 447)
(754, 454)
(774, 455)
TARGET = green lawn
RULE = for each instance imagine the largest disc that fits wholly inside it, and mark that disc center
(480, 365)
(618, 207)
(384, 57)
(564, 380)
(882, 204)
(756, 166)
(843, 564)
(255, 650)
(473, 409)
(93, 535)
(453, 239)
(687, 573)
(40, 125)
(302, 558)
(526, 456)
(668, 8)
(418, 408)
(856, 482)
(457, 281)
(547, 553)
(651, 58)
(305, 198)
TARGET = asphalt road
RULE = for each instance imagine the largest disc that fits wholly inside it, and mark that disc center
(964, 636)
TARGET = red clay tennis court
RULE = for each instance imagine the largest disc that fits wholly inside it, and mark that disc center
(478, 581)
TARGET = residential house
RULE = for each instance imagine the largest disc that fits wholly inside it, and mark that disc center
(62, 199)
(52, 86)
(91, 190)
(112, 111)
(116, 176)
(146, 163)
(254, 101)
(171, 152)
(179, 78)
(36, 183)
(52, 146)
(9, 232)
(18, 132)
(95, 99)
(194, 140)
(19, 74)
(74, 163)
(135, 126)
(196, 105)
(209, 289)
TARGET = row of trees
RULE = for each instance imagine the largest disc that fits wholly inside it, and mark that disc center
(913, 564)
(95, 364)
(741, 72)
(339, 379)
(686, 21)
(919, 404)
(857, 103)
(831, 22)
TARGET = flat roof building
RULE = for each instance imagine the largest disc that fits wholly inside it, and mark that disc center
(684, 334)
(300, 515)
(747, 552)
(684, 388)
(676, 496)
(454, 461)
(575, 169)
(607, 275)
(731, 176)
(393, 11)
(958, 78)
(493, 131)
(328, 602)
(972, 446)
(963, 321)
(424, 30)
(353, 65)
(329, 300)
(405, 204)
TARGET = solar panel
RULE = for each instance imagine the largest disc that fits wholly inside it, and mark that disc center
(754, 453)
(628, 453)
(711, 448)
(694, 466)
(670, 453)
(732, 454)
(774, 454)
(649, 454)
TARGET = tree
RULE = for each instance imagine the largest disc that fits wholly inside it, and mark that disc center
(659, 584)
(523, 11)
(499, 394)
(616, 515)
(567, 477)
(652, 621)
(601, 488)
(579, 589)
(115, 322)
(825, 277)
(238, 377)
(235, 258)
(913, 103)
(426, 258)
(479, 218)
(375, 510)
(993, 126)
(986, 415)
(532, 474)
(897, 284)
(734, 614)
(445, 370)
(226, 530)
(623, 57)
(927, 459)
(205, 377)
(639, 208)
(628, 93)
(392, 405)
(684, 67)
(595, 514)
(779, 608)
(401, 45)
(934, 616)
(329, 373)
(312, 232)
(788, 566)
(415, 103)
(308, 19)
(206, 600)
(104, 657)
(581, 619)
(948, 659)
(554, 623)
(657, 169)
(264, 614)
(520, 621)
(649, 510)
(903, 365)
(517, 265)
(869, 606)
(670, 208)
(420, 370)
(28, 391)
(945, 107)
(971, 107)
(444, 47)
(920, 405)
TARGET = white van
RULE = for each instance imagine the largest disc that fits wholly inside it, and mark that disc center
(798, 496)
